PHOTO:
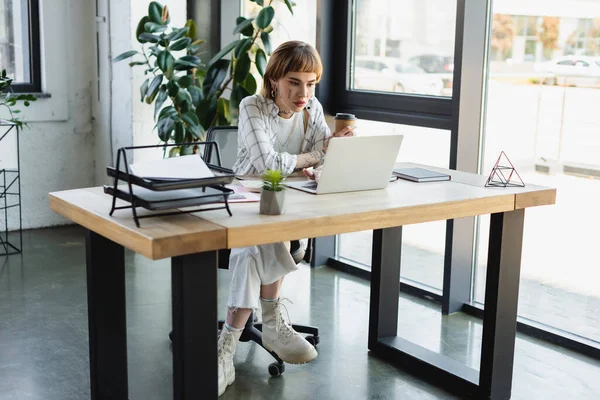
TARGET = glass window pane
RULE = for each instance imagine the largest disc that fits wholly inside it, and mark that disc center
(404, 46)
(543, 115)
(423, 245)
(14, 39)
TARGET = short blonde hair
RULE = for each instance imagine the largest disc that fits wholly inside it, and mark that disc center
(291, 56)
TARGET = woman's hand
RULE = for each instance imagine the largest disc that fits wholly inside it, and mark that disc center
(312, 173)
(347, 131)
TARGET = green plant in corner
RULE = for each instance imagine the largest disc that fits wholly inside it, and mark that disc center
(273, 180)
(8, 99)
(189, 96)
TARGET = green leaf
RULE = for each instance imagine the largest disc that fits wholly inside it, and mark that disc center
(125, 55)
(177, 33)
(140, 28)
(144, 88)
(223, 111)
(172, 88)
(181, 44)
(249, 84)
(196, 94)
(135, 63)
(206, 111)
(183, 100)
(242, 47)
(160, 99)
(223, 51)
(214, 78)
(190, 118)
(265, 16)
(187, 62)
(191, 25)
(148, 37)
(153, 27)
(179, 133)
(266, 42)
(261, 62)
(242, 67)
(185, 81)
(174, 152)
(165, 127)
(155, 12)
(244, 26)
(288, 3)
(153, 88)
(196, 131)
(165, 62)
(259, 2)
(168, 111)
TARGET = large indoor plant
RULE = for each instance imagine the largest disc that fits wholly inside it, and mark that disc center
(190, 95)
(8, 100)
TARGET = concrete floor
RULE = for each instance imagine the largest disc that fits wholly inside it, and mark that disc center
(44, 352)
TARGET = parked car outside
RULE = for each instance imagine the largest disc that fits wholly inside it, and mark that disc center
(572, 71)
(437, 64)
(390, 74)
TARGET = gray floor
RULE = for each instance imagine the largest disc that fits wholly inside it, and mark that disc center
(44, 354)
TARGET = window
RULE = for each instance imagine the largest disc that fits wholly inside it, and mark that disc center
(19, 43)
(390, 61)
(411, 41)
(549, 132)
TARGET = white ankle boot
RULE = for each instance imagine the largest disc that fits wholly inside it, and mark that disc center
(279, 337)
(226, 347)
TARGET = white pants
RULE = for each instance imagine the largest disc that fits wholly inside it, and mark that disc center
(254, 266)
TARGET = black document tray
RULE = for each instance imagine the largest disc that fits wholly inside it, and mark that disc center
(157, 200)
(168, 194)
(223, 176)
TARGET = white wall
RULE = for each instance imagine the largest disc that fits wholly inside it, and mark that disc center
(57, 149)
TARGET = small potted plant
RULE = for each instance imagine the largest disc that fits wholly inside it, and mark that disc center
(273, 192)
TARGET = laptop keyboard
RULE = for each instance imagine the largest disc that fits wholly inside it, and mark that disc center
(310, 185)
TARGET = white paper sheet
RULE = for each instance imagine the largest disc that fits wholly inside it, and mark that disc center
(182, 167)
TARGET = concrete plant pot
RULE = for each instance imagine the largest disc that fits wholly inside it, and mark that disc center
(271, 203)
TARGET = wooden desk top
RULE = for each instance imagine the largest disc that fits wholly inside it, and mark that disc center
(158, 237)
(306, 215)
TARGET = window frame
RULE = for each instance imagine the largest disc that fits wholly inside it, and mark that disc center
(408, 109)
(35, 68)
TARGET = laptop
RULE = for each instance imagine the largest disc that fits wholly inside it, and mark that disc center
(354, 164)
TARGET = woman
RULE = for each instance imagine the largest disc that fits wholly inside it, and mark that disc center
(282, 128)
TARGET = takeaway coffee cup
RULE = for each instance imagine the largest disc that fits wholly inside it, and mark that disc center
(341, 120)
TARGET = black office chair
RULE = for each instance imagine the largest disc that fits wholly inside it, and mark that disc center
(226, 138)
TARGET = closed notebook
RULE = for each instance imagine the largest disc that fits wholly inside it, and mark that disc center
(420, 175)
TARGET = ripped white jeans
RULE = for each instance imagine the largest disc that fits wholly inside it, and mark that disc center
(254, 266)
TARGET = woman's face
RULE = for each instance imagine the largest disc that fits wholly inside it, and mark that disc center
(294, 90)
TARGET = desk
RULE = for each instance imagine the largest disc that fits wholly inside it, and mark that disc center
(191, 240)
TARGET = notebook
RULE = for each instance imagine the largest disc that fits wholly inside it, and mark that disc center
(420, 175)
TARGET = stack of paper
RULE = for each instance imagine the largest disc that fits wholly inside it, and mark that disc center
(182, 167)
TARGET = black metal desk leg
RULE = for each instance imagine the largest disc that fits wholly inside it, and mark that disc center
(194, 291)
(106, 318)
(385, 284)
(501, 300)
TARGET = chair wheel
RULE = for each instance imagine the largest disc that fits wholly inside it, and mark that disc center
(314, 340)
(276, 369)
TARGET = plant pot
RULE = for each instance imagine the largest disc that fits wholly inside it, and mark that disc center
(271, 203)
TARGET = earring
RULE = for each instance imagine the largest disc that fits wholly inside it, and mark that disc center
(273, 92)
